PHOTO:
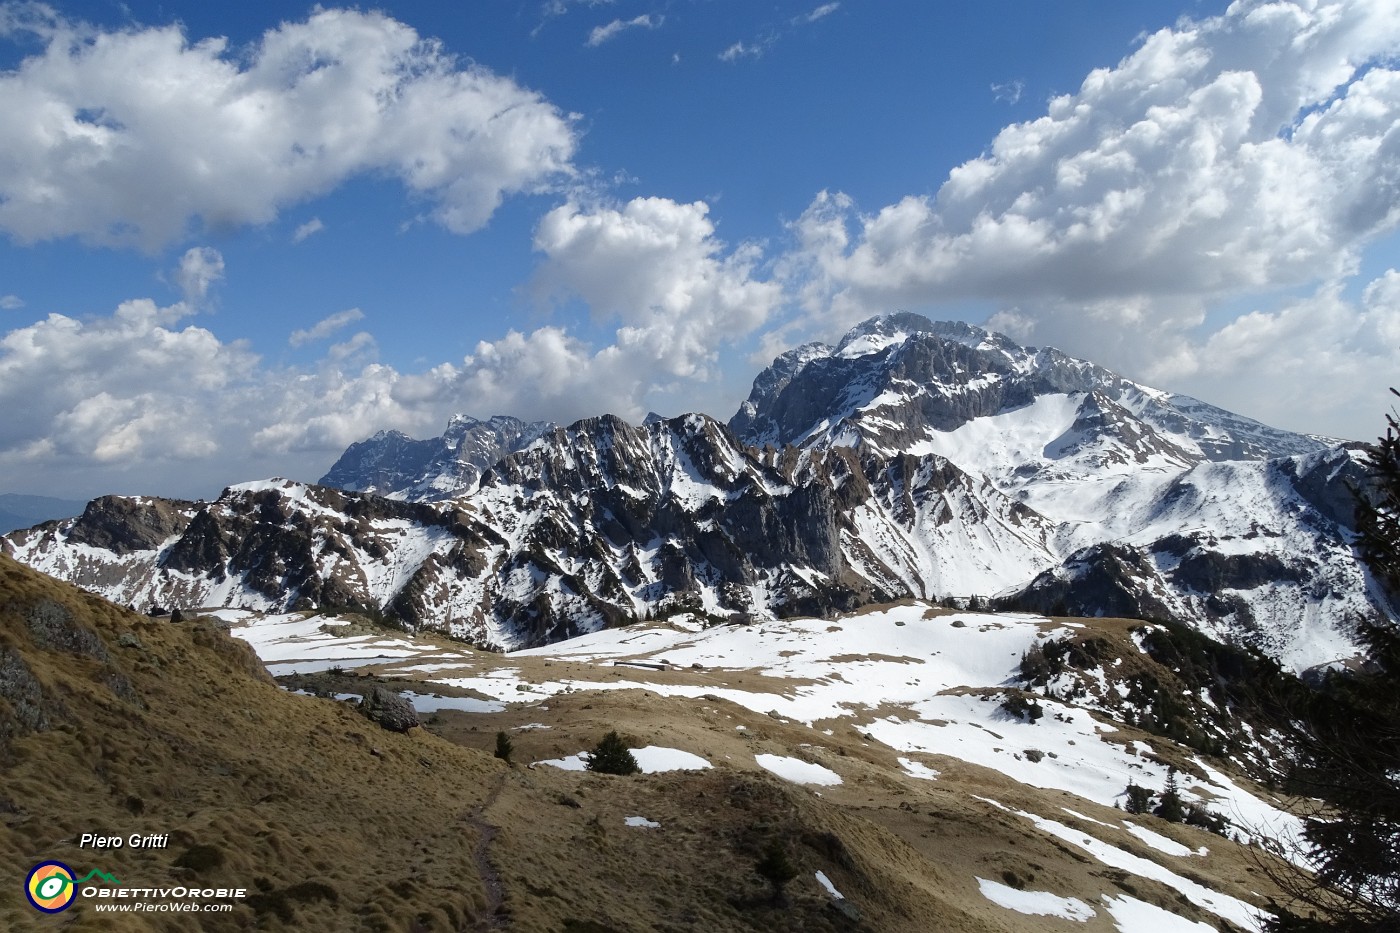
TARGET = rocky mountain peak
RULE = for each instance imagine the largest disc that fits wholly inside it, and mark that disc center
(902, 380)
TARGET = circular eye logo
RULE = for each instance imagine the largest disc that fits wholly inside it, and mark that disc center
(50, 887)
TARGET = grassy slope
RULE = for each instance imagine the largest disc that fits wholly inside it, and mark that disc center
(343, 826)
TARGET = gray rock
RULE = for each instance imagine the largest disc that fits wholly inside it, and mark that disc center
(30, 709)
(389, 709)
(53, 628)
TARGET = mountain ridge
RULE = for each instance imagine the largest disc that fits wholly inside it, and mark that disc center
(939, 462)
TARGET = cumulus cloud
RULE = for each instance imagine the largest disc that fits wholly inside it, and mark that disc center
(11, 302)
(128, 137)
(310, 228)
(113, 388)
(1253, 152)
(1321, 363)
(656, 267)
(326, 326)
(141, 400)
(655, 277)
(601, 34)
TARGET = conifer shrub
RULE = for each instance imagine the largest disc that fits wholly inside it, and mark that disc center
(504, 747)
(1139, 800)
(612, 756)
(776, 867)
(1027, 710)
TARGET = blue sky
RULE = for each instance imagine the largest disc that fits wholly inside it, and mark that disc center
(233, 240)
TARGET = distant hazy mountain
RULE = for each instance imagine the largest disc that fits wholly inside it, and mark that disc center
(19, 511)
(911, 459)
(395, 465)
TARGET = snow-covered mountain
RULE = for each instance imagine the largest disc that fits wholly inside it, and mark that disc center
(912, 459)
(395, 465)
(902, 383)
(1162, 505)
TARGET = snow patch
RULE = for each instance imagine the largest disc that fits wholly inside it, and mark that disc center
(1035, 903)
(797, 771)
(825, 882)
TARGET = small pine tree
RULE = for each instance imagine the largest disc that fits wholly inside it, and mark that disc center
(1171, 808)
(776, 868)
(611, 756)
(1139, 800)
(504, 746)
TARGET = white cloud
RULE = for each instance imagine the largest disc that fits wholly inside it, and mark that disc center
(826, 9)
(745, 50)
(1254, 152)
(141, 401)
(145, 401)
(326, 326)
(1009, 92)
(11, 302)
(200, 268)
(129, 137)
(1320, 364)
(310, 228)
(770, 36)
(601, 34)
(653, 272)
(113, 389)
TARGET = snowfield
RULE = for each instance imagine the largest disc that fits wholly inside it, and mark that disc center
(925, 664)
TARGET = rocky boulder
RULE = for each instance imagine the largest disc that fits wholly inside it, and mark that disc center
(389, 709)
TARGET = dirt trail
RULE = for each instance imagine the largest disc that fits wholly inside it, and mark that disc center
(495, 918)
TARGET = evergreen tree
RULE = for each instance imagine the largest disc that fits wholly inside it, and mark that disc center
(611, 756)
(504, 746)
(1350, 757)
(1170, 808)
(776, 868)
(1139, 799)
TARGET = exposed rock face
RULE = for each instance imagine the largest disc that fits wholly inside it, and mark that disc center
(122, 525)
(394, 464)
(53, 628)
(912, 460)
(29, 710)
